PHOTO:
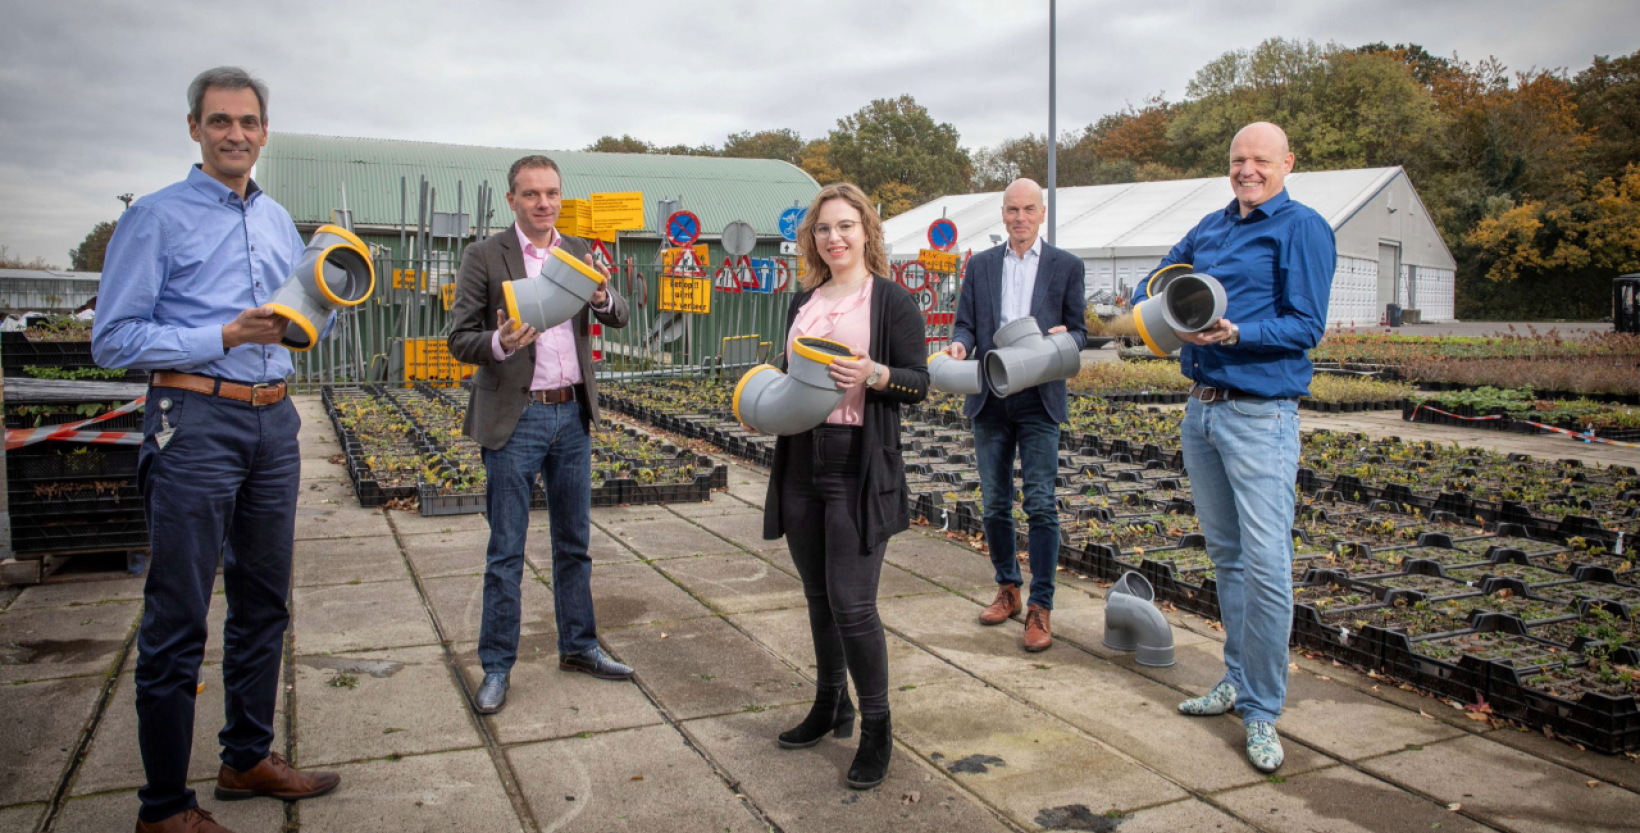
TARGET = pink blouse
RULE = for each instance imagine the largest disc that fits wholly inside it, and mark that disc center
(847, 321)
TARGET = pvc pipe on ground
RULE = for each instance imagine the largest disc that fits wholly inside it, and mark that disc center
(1133, 624)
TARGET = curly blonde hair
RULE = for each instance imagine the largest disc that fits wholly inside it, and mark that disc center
(816, 270)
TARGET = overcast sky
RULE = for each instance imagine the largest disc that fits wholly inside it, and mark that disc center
(92, 92)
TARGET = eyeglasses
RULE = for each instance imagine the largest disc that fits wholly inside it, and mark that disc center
(843, 229)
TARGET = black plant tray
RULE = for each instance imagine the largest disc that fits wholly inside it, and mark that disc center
(53, 535)
(1596, 721)
(48, 461)
(124, 501)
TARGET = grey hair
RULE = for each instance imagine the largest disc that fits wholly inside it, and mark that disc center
(227, 78)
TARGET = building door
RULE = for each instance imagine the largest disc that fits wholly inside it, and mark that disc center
(1389, 268)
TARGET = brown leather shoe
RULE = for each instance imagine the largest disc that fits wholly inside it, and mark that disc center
(196, 820)
(1006, 605)
(1038, 637)
(274, 778)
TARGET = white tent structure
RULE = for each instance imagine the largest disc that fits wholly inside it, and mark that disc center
(1389, 250)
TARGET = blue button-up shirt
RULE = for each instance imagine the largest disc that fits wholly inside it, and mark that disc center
(184, 261)
(1276, 265)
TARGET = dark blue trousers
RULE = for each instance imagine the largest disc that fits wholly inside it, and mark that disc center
(1020, 422)
(228, 475)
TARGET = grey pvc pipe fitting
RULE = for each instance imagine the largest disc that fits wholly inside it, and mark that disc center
(1024, 357)
(1133, 624)
(564, 286)
(796, 401)
(334, 271)
(953, 376)
(1180, 302)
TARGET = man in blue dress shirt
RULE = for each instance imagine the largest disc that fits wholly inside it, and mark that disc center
(1275, 258)
(188, 273)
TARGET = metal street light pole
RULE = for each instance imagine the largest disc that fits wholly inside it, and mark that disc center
(1053, 122)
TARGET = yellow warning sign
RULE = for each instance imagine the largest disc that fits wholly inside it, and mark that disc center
(685, 295)
(618, 211)
(669, 257)
(937, 261)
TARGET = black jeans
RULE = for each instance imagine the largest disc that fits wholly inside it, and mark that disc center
(820, 508)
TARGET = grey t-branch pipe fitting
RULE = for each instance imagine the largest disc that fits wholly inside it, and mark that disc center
(953, 376)
(564, 286)
(334, 271)
(791, 403)
(1180, 301)
(1132, 622)
(1024, 357)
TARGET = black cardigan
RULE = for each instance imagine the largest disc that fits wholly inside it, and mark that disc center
(897, 342)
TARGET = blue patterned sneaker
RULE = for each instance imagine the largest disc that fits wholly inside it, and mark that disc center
(1263, 747)
(1218, 701)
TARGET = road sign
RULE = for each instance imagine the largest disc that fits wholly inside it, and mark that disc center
(621, 211)
(683, 228)
(788, 247)
(942, 234)
(685, 295)
(601, 256)
(675, 260)
(738, 238)
(790, 219)
(938, 261)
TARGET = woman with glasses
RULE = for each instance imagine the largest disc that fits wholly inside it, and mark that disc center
(838, 492)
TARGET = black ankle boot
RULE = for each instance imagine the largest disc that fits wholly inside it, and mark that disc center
(832, 711)
(870, 765)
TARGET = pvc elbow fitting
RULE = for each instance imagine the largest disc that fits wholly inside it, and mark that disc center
(1180, 302)
(953, 376)
(791, 403)
(1025, 358)
(1133, 624)
(564, 286)
(334, 271)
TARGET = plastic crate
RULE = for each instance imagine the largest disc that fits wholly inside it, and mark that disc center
(47, 461)
(54, 535)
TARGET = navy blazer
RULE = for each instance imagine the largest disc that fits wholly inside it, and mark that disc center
(1057, 300)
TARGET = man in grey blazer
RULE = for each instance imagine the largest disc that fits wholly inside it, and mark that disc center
(534, 399)
(1024, 277)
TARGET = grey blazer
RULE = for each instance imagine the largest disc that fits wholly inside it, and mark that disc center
(501, 390)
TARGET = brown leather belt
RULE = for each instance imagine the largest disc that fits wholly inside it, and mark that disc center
(1209, 394)
(267, 393)
(556, 396)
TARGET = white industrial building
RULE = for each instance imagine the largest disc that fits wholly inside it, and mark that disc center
(1389, 250)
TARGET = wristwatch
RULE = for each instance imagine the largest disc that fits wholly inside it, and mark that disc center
(1235, 334)
(876, 374)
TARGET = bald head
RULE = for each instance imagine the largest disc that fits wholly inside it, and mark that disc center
(1023, 212)
(1259, 163)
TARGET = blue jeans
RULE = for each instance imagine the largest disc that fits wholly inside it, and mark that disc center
(1020, 421)
(222, 490)
(551, 440)
(1242, 457)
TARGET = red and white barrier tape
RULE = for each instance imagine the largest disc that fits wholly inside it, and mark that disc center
(18, 437)
(1576, 435)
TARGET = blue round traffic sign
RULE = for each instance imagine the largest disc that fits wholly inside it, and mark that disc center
(942, 234)
(790, 219)
(683, 228)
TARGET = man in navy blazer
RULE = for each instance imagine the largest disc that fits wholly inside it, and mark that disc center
(1025, 277)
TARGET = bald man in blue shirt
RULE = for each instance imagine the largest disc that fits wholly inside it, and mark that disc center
(1275, 258)
(185, 285)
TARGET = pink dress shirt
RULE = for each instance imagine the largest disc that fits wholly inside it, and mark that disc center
(847, 321)
(556, 365)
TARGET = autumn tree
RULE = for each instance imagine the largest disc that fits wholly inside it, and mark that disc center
(88, 256)
(11, 261)
(1608, 105)
(624, 144)
(783, 144)
(895, 142)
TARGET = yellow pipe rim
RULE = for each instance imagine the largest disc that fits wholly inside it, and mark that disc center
(579, 265)
(324, 289)
(1139, 324)
(345, 235)
(741, 386)
(301, 322)
(1159, 272)
(511, 297)
(808, 352)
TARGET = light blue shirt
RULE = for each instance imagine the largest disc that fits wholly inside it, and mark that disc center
(184, 261)
(1019, 279)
